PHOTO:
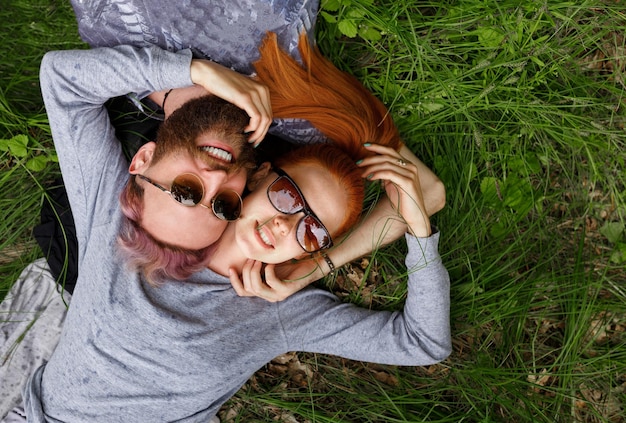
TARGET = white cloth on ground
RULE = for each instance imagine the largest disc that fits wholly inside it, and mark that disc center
(31, 317)
(17, 415)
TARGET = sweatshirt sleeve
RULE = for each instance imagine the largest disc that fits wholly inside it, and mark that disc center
(75, 84)
(418, 335)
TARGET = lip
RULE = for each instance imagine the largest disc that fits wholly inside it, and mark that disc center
(257, 229)
(224, 148)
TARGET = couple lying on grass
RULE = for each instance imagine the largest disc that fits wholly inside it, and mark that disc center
(155, 330)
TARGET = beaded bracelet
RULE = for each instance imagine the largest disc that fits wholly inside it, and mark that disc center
(330, 264)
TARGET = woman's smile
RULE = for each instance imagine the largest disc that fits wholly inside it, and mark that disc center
(265, 236)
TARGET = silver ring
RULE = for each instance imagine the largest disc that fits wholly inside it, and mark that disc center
(401, 162)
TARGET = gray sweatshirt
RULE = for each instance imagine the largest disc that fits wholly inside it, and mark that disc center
(130, 352)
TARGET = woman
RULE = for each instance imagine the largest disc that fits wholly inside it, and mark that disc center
(347, 114)
(177, 351)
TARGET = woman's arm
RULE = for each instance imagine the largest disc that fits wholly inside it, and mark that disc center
(419, 335)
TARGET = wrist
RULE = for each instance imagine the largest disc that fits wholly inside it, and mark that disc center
(165, 98)
(326, 265)
(419, 226)
(420, 232)
(195, 71)
(330, 264)
(200, 71)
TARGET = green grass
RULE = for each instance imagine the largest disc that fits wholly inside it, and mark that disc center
(27, 158)
(521, 111)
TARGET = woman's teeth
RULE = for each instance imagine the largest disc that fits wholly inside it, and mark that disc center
(264, 238)
(218, 153)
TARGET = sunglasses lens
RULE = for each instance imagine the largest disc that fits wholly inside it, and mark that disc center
(187, 189)
(285, 197)
(227, 205)
(312, 235)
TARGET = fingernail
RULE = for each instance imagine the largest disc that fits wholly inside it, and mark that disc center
(367, 144)
(370, 176)
(358, 162)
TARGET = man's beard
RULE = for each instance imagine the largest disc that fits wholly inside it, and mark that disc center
(209, 117)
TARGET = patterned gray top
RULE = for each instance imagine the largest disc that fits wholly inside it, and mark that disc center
(225, 31)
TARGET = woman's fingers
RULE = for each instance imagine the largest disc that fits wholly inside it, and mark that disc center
(263, 283)
(237, 284)
(252, 280)
(282, 289)
(402, 185)
(259, 108)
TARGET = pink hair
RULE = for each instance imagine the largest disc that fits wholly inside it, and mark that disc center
(155, 259)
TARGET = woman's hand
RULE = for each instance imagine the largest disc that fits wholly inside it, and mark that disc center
(269, 286)
(242, 91)
(401, 182)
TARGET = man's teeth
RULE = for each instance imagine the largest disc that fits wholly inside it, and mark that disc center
(218, 153)
(264, 238)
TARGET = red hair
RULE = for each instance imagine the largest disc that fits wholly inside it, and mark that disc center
(333, 101)
(342, 169)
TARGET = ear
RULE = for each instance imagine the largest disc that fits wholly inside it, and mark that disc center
(142, 159)
(259, 174)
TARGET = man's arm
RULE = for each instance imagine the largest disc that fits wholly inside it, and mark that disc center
(75, 85)
(316, 321)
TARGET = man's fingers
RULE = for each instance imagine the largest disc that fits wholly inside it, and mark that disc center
(260, 111)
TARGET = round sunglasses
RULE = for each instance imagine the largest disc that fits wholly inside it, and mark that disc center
(188, 190)
(287, 198)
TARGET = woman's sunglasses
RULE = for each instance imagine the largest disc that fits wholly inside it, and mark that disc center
(188, 190)
(287, 198)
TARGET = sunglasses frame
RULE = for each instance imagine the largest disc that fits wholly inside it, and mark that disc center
(212, 208)
(305, 208)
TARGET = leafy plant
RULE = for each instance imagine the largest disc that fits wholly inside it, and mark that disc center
(351, 18)
(17, 146)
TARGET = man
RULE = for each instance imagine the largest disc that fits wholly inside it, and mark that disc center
(75, 88)
(130, 351)
(75, 124)
(201, 159)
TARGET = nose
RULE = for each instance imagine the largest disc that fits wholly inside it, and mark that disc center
(285, 223)
(213, 181)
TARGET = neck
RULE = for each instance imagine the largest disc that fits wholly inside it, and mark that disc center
(227, 254)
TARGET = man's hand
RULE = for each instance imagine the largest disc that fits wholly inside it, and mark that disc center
(242, 91)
